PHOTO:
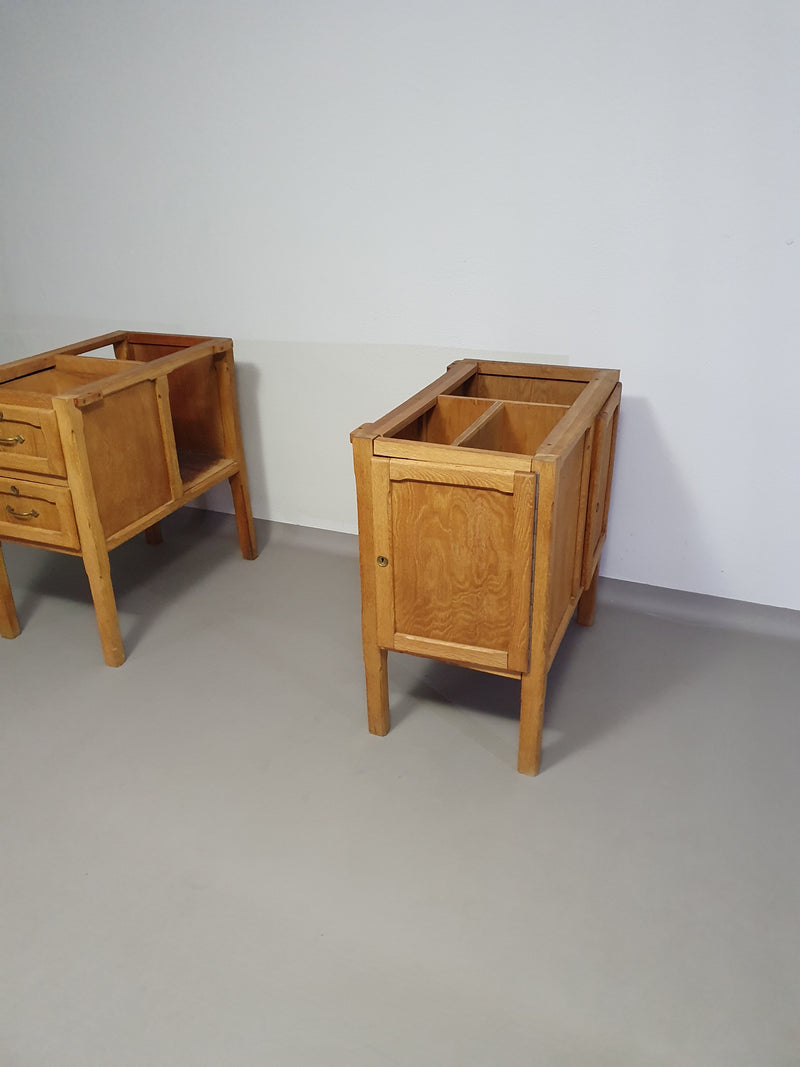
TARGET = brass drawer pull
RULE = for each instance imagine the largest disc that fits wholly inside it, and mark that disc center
(32, 514)
(17, 439)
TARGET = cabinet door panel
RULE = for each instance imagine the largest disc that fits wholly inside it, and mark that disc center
(456, 556)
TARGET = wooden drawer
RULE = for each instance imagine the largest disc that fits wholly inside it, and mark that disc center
(29, 440)
(37, 512)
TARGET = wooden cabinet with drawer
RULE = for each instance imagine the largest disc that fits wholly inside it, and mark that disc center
(482, 511)
(95, 449)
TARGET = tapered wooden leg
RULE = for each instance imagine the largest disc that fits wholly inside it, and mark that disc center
(587, 602)
(244, 515)
(375, 668)
(94, 549)
(153, 535)
(9, 624)
(531, 720)
(98, 572)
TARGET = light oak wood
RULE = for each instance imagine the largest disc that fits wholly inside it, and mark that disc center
(29, 439)
(37, 513)
(232, 445)
(96, 449)
(469, 655)
(395, 449)
(401, 470)
(393, 423)
(90, 528)
(588, 601)
(486, 431)
(375, 659)
(9, 624)
(479, 539)
(600, 488)
(445, 420)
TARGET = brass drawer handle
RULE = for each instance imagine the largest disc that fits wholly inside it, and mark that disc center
(17, 439)
(32, 514)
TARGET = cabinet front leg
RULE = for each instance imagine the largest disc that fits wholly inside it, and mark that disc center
(98, 572)
(9, 624)
(244, 515)
(588, 600)
(376, 670)
(531, 719)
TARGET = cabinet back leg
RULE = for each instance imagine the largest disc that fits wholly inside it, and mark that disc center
(588, 600)
(152, 534)
(244, 515)
(9, 624)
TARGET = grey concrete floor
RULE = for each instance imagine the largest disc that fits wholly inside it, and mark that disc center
(206, 859)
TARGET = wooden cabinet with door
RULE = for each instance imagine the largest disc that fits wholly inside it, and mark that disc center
(95, 449)
(482, 511)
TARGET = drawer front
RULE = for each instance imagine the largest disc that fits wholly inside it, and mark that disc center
(29, 440)
(38, 513)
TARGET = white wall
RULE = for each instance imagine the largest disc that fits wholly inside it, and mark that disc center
(358, 190)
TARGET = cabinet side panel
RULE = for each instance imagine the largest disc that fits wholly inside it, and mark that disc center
(529, 390)
(127, 456)
(567, 535)
(453, 556)
(602, 465)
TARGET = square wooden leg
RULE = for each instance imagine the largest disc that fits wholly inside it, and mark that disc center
(588, 600)
(375, 668)
(531, 719)
(98, 571)
(244, 515)
(9, 624)
(153, 535)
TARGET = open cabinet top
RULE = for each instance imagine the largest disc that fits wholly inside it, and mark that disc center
(502, 413)
(71, 371)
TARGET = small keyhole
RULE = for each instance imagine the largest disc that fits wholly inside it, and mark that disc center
(383, 561)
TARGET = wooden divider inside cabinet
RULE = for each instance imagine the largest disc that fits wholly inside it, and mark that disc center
(482, 511)
(95, 449)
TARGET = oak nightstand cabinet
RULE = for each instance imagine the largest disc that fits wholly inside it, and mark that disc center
(94, 450)
(482, 511)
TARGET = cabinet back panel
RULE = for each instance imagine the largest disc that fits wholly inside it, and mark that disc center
(144, 353)
(529, 390)
(195, 406)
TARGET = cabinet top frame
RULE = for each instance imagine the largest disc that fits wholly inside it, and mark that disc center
(587, 387)
(138, 356)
